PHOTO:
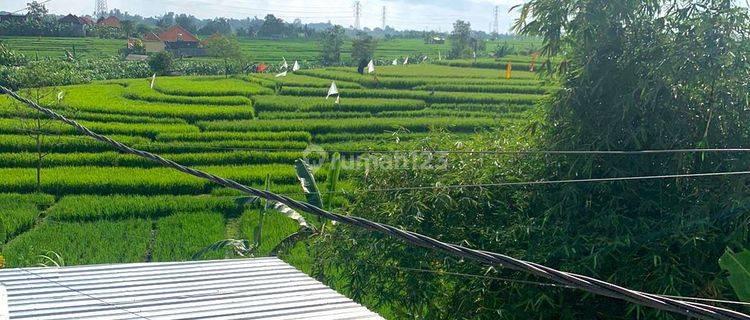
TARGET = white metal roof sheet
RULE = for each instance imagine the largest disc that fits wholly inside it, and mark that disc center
(263, 288)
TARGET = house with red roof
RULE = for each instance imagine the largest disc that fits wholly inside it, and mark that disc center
(176, 40)
(77, 25)
(111, 21)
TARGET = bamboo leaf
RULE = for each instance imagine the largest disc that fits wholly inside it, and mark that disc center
(738, 266)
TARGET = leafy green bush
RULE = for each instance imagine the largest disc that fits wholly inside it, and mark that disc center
(10, 57)
(161, 62)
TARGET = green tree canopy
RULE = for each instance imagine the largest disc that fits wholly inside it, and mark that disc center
(363, 47)
(460, 38)
(333, 39)
(223, 47)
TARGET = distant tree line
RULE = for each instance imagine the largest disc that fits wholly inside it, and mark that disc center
(41, 23)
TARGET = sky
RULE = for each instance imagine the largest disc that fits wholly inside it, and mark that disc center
(436, 15)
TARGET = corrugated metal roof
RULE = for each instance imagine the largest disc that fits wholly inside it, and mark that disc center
(264, 288)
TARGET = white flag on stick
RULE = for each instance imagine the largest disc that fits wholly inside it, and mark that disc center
(395, 62)
(371, 67)
(295, 67)
(406, 61)
(333, 90)
(284, 65)
(283, 74)
(153, 79)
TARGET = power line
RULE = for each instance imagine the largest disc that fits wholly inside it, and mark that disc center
(27, 7)
(588, 284)
(566, 181)
(543, 284)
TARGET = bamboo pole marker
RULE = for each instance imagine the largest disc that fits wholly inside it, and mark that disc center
(508, 70)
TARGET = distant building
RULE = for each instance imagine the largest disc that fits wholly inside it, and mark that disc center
(136, 57)
(13, 18)
(176, 40)
(76, 24)
(111, 21)
(152, 43)
(88, 20)
(435, 40)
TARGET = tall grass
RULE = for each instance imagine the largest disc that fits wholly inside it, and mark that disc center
(208, 86)
(320, 104)
(373, 125)
(429, 96)
(180, 236)
(118, 207)
(276, 227)
(19, 211)
(90, 98)
(63, 144)
(118, 180)
(114, 159)
(81, 243)
(250, 136)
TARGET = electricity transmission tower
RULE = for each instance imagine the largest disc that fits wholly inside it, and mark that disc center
(384, 18)
(496, 24)
(357, 14)
(100, 9)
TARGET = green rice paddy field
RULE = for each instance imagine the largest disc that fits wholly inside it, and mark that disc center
(257, 50)
(98, 206)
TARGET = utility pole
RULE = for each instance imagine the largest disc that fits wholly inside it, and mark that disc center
(100, 8)
(384, 25)
(357, 14)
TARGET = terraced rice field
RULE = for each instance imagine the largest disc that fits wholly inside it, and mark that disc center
(98, 206)
(257, 50)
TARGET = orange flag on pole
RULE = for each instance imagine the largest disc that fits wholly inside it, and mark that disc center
(508, 70)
